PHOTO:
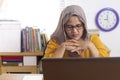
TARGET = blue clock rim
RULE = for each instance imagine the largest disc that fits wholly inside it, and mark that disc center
(104, 9)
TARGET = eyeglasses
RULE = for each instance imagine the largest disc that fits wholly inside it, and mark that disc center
(71, 27)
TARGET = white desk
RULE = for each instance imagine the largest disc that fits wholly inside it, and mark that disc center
(21, 77)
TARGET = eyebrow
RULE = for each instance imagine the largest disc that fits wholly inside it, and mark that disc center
(73, 25)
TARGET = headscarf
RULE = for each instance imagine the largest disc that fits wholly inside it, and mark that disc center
(59, 35)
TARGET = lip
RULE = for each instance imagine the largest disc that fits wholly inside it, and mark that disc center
(74, 35)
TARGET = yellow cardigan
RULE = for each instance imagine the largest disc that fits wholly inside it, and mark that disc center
(53, 45)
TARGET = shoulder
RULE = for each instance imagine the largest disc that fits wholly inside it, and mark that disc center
(52, 41)
(96, 40)
(94, 36)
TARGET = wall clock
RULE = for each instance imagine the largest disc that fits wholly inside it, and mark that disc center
(107, 19)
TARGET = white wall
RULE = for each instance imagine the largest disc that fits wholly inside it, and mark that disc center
(45, 15)
(41, 13)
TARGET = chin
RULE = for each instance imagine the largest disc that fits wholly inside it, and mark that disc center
(76, 38)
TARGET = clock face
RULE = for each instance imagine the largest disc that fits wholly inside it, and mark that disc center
(107, 19)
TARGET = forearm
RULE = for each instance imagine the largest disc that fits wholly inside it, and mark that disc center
(93, 50)
(60, 51)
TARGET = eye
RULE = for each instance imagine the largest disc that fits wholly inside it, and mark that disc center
(79, 25)
(69, 26)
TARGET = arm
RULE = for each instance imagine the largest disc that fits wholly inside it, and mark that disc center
(93, 50)
(54, 50)
(57, 51)
(50, 49)
(99, 45)
(60, 51)
(82, 45)
(95, 46)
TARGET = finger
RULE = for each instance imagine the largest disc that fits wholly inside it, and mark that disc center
(79, 52)
(71, 44)
(72, 40)
(70, 47)
(76, 49)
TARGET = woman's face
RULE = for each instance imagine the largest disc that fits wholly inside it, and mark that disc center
(74, 28)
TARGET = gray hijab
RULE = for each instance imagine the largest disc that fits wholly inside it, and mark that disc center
(59, 35)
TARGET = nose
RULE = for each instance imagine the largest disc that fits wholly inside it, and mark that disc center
(74, 29)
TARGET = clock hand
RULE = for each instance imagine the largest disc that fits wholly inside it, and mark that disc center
(106, 18)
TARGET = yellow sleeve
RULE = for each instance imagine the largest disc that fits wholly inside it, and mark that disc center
(99, 45)
(50, 49)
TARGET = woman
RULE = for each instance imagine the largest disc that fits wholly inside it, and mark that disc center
(71, 39)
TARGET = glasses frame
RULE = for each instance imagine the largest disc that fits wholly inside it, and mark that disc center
(71, 27)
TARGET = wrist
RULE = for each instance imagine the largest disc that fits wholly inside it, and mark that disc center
(63, 46)
(90, 44)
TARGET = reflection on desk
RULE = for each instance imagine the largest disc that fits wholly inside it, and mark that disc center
(21, 77)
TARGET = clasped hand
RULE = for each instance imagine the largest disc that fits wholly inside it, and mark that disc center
(76, 45)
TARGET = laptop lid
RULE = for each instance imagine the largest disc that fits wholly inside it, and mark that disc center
(81, 68)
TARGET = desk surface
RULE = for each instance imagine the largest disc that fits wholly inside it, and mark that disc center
(21, 77)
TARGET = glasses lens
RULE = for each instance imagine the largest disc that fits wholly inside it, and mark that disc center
(71, 27)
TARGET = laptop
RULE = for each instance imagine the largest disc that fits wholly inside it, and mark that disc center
(81, 68)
